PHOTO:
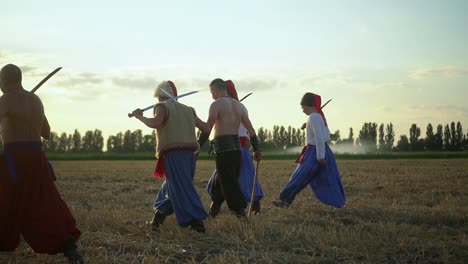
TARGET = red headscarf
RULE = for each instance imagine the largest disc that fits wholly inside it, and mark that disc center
(174, 89)
(318, 106)
(231, 89)
(311, 99)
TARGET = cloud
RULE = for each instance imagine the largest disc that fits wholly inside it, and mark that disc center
(255, 85)
(439, 72)
(28, 69)
(345, 82)
(445, 112)
(80, 79)
(143, 82)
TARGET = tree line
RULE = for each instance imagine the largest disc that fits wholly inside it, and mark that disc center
(371, 137)
(374, 137)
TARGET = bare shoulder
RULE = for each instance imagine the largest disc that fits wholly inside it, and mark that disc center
(216, 104)
(161, 107)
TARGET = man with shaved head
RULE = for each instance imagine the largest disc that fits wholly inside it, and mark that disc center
(226, 115)
(30, 204)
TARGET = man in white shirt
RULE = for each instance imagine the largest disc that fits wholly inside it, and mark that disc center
(317, 166)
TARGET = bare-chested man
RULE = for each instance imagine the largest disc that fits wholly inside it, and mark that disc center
(30, 204)
(226, 114)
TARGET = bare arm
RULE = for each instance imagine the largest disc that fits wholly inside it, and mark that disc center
(212, 117)
(253, 137)
(247, 124)
(157, 121)
(45, 130)
(201, 125)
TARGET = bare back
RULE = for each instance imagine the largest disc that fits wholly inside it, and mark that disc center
(21, 117)
(227, 114)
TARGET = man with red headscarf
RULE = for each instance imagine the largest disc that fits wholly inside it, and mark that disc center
(247, 169)
(225, 115)
(30, 204)
(317, 166)
(176, 143)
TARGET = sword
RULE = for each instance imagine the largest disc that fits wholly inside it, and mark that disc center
(249, 94)
(254, 185)
(49, 166)
(325, 104)
(171, 98)
(45, 79)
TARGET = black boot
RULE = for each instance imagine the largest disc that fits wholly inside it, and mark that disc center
(256, 207)
(240, 213)
(71, 253)
(280, 203)
(157, 220)
(215, 208)
(198, 226)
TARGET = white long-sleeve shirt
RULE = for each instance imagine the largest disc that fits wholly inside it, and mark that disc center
(317, 134)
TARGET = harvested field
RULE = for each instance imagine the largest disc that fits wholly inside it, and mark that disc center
(398, 211)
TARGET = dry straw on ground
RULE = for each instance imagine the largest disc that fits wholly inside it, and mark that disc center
(398, 211)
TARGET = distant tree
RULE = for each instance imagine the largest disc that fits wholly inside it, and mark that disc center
(293, 137)
(64, 144)
(262, 135)
(129, 143)
(76, 141)
(453, 137)
(52, 144)
(117, 143)
(137, 138)
(270, 137)
(275, 137)
(438, 138)
(415, 132)
(403, 144)
(459, 137)
(335, 137)
(465, 144)
(283, 137)
(98, 141)
(289, 136)
(300, 137)
(280, 137)
(430, 140)
(110, 144)
(350, 139)
(389, 136)
(382, 145)
(446, 138)
(368, 136)
(87, 142)
(148, 143)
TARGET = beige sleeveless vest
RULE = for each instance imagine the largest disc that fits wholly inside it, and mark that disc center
(178, 131)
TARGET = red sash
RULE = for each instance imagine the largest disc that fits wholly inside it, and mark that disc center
(243, 141)
(299, 160)
(160, 169)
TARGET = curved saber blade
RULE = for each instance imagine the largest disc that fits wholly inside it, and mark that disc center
(45, 79)
(168, 100)
(249, 94)
(325, 104)
(254, 188)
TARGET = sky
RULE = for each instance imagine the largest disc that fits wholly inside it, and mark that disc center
(379, 61)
